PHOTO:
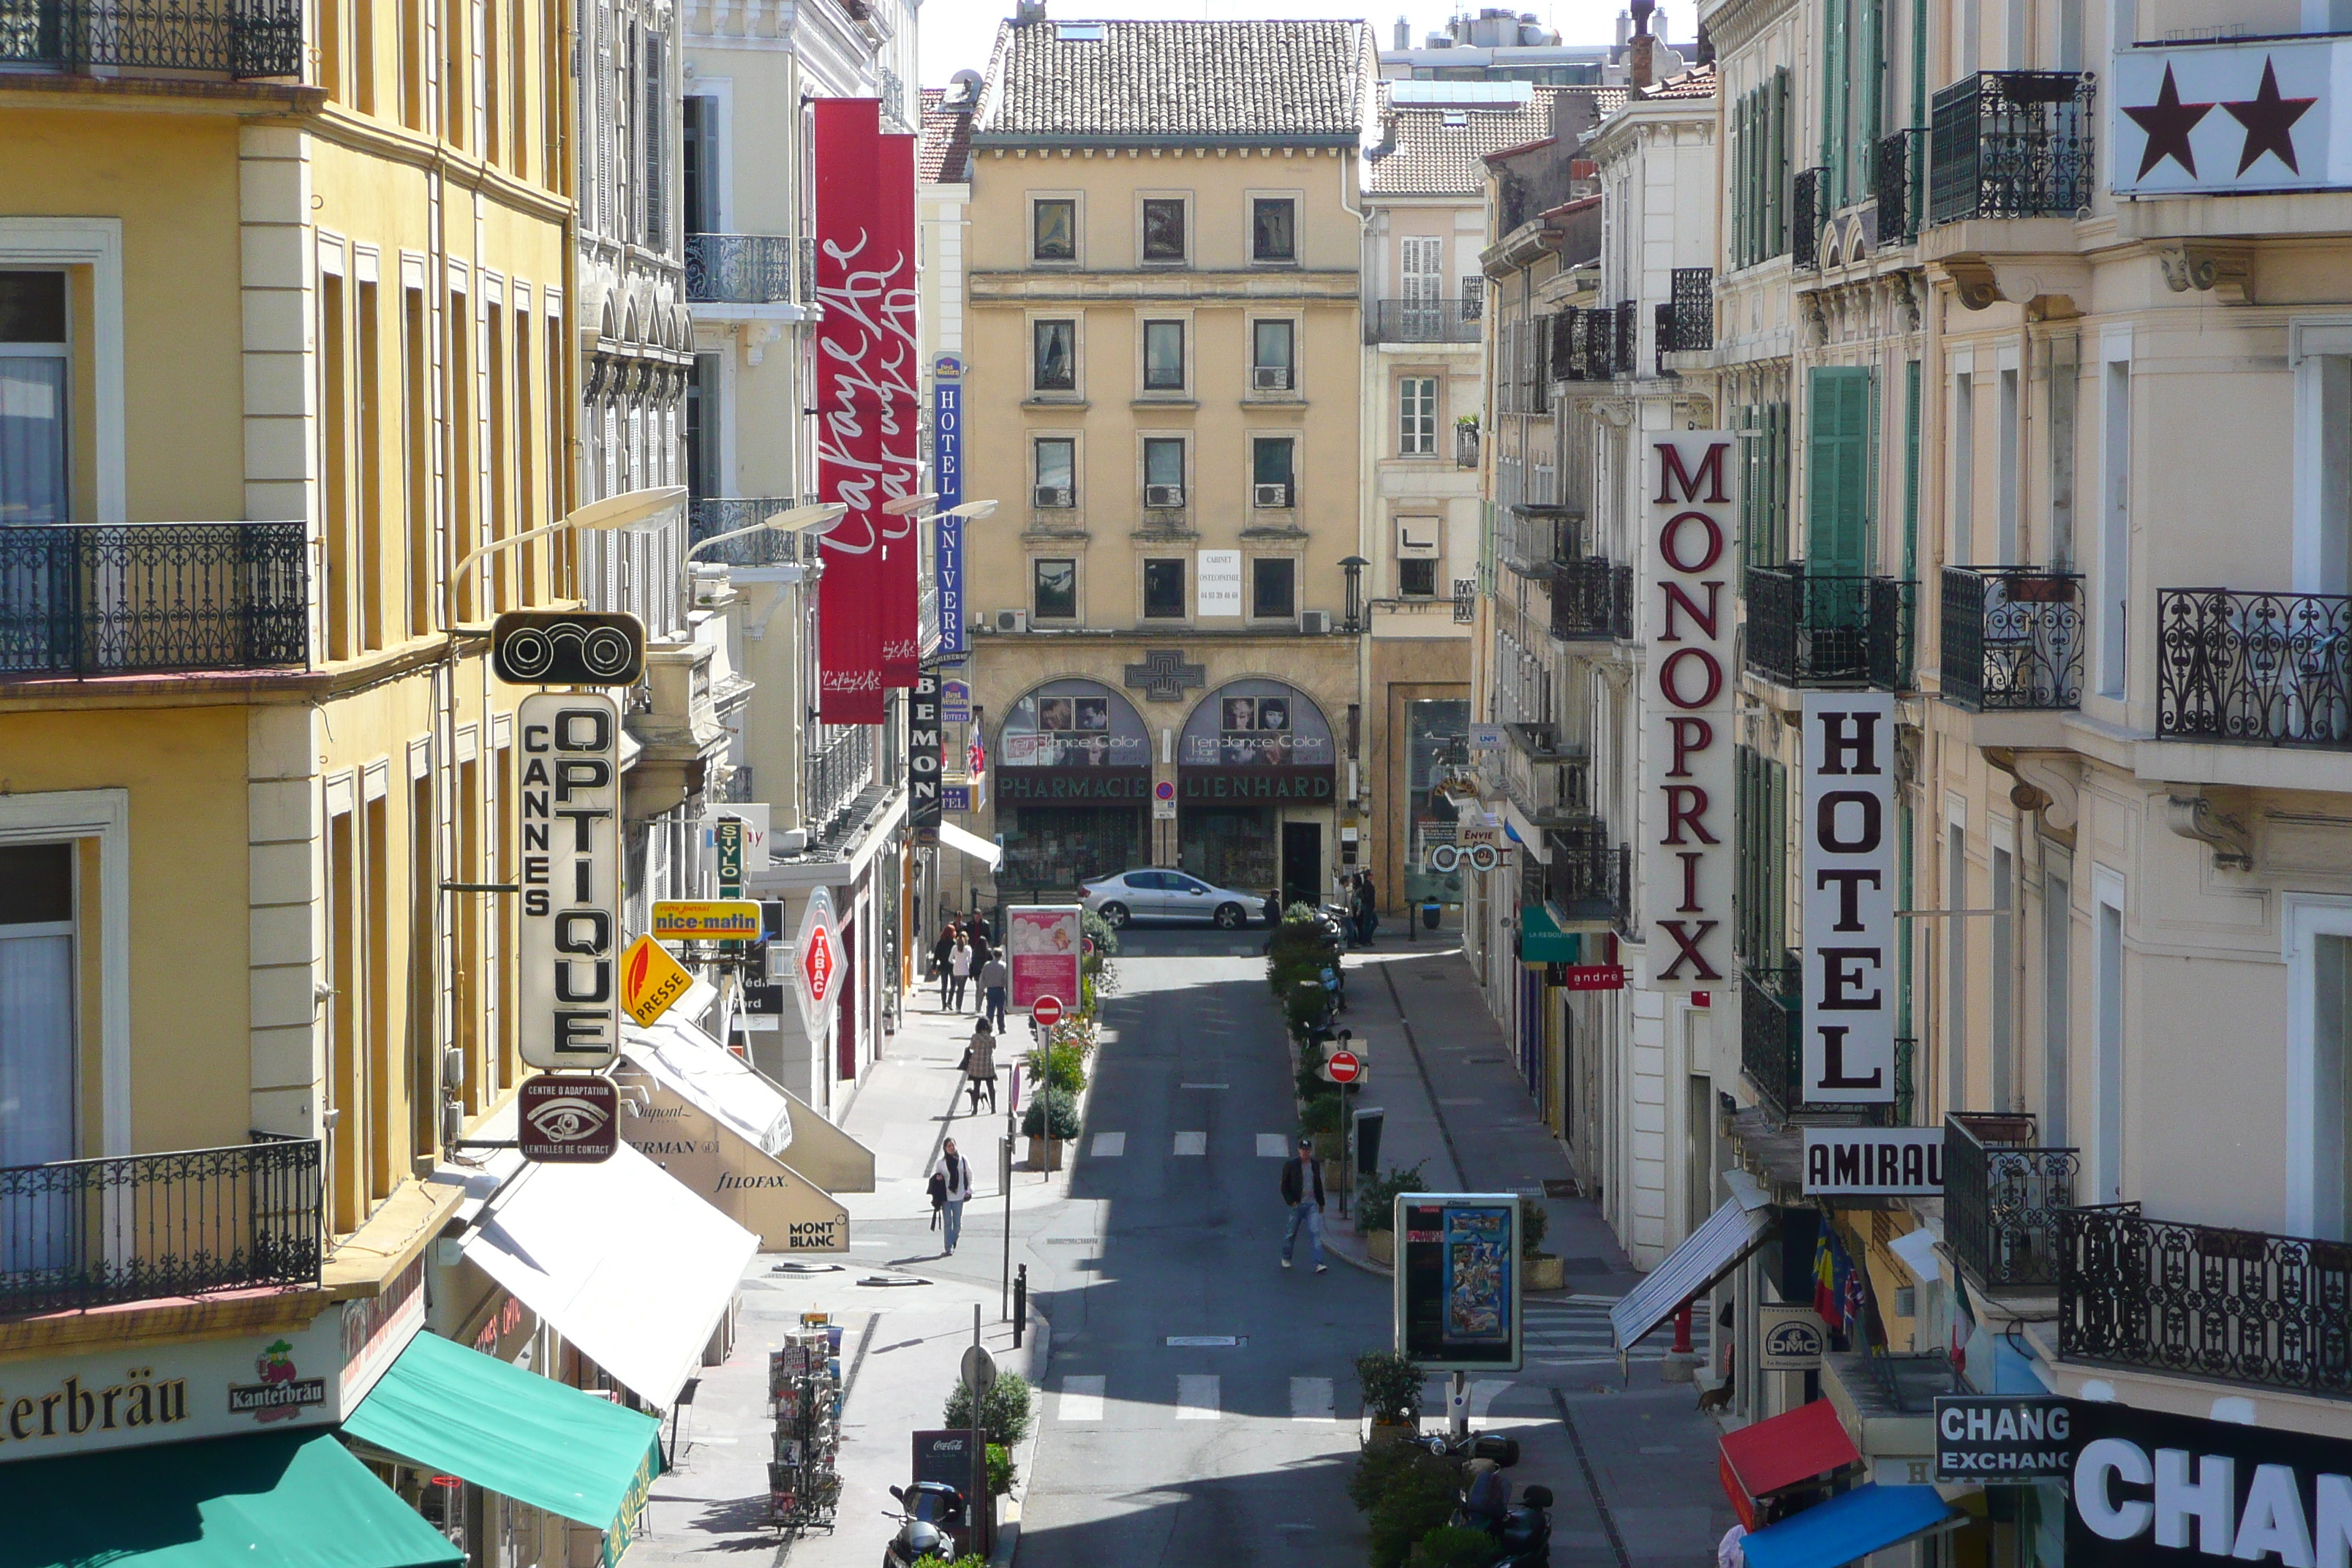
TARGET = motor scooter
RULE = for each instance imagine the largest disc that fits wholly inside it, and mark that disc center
(1522, 1535)
(931, 1519)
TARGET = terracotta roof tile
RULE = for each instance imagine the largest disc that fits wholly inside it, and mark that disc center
(1442, 152)
(943, 157)
(1109, 83)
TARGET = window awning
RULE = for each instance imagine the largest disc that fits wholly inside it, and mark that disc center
(1705, 1255)
(511, 1432)
(980, 850)
(1789, 1449)
(628, 1264)
(1542, 942)
(698, 1069)
(1848, 1528)
(291, 1499)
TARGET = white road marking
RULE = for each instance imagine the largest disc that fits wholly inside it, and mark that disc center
(1082, 1399)
(1191, 1144)
(1310, 1399)
(1109, 1145)
(1461, 1102)
(1483, 1394)
(1212, 1341)
(1196, 1397)
(1272, 1146)
(1205, 1085)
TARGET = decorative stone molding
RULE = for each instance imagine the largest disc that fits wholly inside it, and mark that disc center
(2226, 272)
(2057, 783)
(2195, 816)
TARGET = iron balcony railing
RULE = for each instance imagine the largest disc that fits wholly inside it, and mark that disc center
(2199, 1300)
(808, 269)
(838, 770)
(1423, 321)
(77, 1234)
(2253, 668)
(2004, 1192)
(238, 39)
(740, 268)
(1584, 601)
(1807, 630)
(1805, 219)
(1620, 601)
(1587, 877)
(84, 599)
(1685, 323)
(710, 517)
(1627, 334)
(2011, 637)
(1583, 344)
(2010, 144)
(1902, 166)
(1772, 1051)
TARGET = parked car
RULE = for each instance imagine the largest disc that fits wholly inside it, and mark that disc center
(1160, 895)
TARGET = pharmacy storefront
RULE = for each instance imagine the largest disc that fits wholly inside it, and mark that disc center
(1072, 786)
(1256, 787)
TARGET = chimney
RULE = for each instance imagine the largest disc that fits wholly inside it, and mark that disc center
(1704, 54)
(1624, 29)
(1028, 11)
(1639, 68)
(1403, 34)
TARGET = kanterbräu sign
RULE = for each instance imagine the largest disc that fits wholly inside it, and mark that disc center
(855, 269)
(894, 365)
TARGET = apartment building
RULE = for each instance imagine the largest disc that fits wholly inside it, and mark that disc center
(1163, 339)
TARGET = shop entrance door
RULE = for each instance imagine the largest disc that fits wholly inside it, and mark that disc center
(1302, 864)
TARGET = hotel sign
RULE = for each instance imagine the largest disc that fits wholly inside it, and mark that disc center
(2226, 117)
(1848, 865)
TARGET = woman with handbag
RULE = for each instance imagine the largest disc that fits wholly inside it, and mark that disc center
(980, 1066)
(940, 952)
(950, 1183)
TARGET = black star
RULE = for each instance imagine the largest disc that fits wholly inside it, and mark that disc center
(2269, 120)
(2168, 122)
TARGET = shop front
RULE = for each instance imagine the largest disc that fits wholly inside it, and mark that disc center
(1256, 787)
(1437, 735)
(1072, 784)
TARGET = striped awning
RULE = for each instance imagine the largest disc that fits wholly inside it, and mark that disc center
(1709, 1253)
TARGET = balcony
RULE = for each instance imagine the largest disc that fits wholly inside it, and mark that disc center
(2010, 144)
(1586, 605)
(1805, 219)
(1773, 1055)
(838, 770)
(1465, 446)
(77, 1234)
(1583, 344)
(1685, 323)
(90, 599)
(1627, 334)
(1804, 630)
(241, 39)
(708, 517)
(2002, 1196)
(1902, 168)
(1422, 322)
(2197, 1300)
(1586, 879)
(741, 269)
(2012, 638)
(2266, 670)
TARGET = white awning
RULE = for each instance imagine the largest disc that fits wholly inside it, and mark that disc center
(1705, 1255)
(1917, 1248)
(628, 1264)
(980, 850)
(699, 1069)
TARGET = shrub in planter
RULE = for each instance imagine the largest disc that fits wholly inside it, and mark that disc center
(1006, 1410)
(1067, 1065)
(1391, 1386)
(1001, 1472)
(1451, 1546)
(1534, 1221)
(1321, 1114)
(1066, 1118)
(1381, 1470)
(973, 1560)
(1376, 1204)
(1419, 1500)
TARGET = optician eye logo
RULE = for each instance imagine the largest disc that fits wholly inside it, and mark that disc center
(569, 1119)
(568, 648)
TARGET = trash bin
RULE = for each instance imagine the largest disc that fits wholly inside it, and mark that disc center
(1429, 910)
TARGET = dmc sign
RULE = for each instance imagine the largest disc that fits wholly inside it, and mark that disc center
(570, 786)
(1790, 1338)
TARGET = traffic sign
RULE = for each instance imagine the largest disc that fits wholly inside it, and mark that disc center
(1163, 790)
(817, 967)
(1047, 1011)
(1345, 1067)
(568, 1119)
(706, 919)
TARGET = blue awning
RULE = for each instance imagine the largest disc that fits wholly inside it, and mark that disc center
(1848, 1528)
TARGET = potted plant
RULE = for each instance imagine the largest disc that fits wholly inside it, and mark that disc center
(1391, 1386)
(1045, 1152)
(1545, 1271)
(1376, 1210)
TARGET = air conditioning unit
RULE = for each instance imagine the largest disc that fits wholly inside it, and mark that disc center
(1271, 378)
(1270, 495)
(1314, 622)
(1163, 498)
(1012, 620)
(1056, 495)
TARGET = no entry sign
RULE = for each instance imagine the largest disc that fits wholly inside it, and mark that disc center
(1344, 1067)
(1047, 1010)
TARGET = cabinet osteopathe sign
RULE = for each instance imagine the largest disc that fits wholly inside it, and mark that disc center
(1044, 945)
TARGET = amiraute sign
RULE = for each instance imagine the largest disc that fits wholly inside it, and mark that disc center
(1848, 865)
(1691, 543)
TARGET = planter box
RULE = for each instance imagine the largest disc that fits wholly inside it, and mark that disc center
(1391, 1432)
(1045, 1153)
(1381, 1246)
(1545, 1272)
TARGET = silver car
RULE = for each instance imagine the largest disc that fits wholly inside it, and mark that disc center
(1164, 895)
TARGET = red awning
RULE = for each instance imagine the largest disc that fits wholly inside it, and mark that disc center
(1788, 1450)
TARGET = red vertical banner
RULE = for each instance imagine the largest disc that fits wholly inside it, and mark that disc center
(852, 272)
(894, 232)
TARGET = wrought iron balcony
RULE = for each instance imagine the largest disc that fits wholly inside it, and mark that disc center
(1620, 601)
(1465, 446)
(1423, 321)
(83, 1232)
(1685, 323)
(1583, 344)
(1584, 602)
(740, 268)
(1586, 877)
(2253, 668)
(1530, 537)
(237, 39)
(1807, 630)
(839, 768)
(2002, 1195)
(1902, 166)
(2012, 638)
(708, 517)
(2201, 1301)
(1772, 1052)
(1805, 219)
(87, 599)
(1628, 335)
(2010, 144)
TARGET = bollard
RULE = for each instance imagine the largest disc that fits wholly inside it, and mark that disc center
(1020, 1304)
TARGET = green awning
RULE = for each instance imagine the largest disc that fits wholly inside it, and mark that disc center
(1542, 942)
(292, 1499)
(512, 1432)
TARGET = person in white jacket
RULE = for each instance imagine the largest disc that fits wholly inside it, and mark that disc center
(950, 1183)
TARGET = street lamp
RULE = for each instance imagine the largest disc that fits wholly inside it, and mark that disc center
(812, 519)
(597, 517)
(1353, 566)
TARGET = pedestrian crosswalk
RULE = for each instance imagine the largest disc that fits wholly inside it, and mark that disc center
(1111, 1145)
(1145, 1399)
(1575, 1333)
(1310, 1399)
(1191, 1144)
(1196, 1397)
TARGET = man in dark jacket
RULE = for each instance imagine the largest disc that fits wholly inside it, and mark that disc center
(1302, 1189)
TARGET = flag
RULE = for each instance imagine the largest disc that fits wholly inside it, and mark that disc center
(1825, 1293)
(850, 402)
(899, 578)
(976, 759)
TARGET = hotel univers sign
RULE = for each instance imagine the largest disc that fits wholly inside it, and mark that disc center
(1691, 543)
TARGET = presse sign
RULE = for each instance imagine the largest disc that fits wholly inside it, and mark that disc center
(571, 875)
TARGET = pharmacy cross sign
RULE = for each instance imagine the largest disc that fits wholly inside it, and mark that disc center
(1164, 676)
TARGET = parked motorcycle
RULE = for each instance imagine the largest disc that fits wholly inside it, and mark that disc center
(931, 1518)
(1522, 1535)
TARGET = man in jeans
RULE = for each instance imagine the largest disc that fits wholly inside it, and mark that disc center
(1302, 1189)
(993, 978)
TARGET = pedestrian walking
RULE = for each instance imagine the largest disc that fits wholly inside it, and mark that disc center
(980, 1065)
(951, 1184)
(959, 973)
(977, 929)
(1368, 909)
(1302, 1189)
(994, 976)
(941, 951)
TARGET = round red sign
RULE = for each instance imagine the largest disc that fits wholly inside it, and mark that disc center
(1345, 1068)
(1047, 1011)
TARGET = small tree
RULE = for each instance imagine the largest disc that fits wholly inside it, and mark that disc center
(1376, 1200)
(1391, 1386)
(1006, 1410)
(1534, 1221)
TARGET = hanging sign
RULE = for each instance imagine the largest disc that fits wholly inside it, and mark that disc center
(1690, 542)
(924, 739)
(567, 1118)
(651, 980)
(570, 790)
(852, 278)
(947, 475)
(1848, 866)
(726, 838)
(568, 648)
(817, 966)
(2003, 1438)
(2156, 1491)
(706, 919)
(1789, 1338)
(955, 693)
(1874, 1162)
(895, 361)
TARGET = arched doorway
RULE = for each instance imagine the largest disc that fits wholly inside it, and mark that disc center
(1257, 774)
(1072, 779)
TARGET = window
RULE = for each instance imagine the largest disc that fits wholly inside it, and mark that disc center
(1163, 357)
(1417, 579)
(699, 157)
(1272, 347)
(1163, 589)
(1054, 347)
(1271, 469)
(1054, 588)
(1057, 471)
(1163, 229)
(1273, 228)
(1054, 229)
(35, 481)
(1274, 588)
(37, 997)
(1163, 472)
(1417, 416)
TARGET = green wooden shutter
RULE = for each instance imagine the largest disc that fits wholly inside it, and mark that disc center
(1911, 471)
(1837, 434)
(1776, 151)
(1776, 873)
(1749, 213)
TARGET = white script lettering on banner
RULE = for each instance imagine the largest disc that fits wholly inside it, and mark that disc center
(570, 788)
(1848, 865)
(1690, 543)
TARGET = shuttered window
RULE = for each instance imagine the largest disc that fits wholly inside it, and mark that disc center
(1837, 457)
(1760, 861)
(656, 192)
(1911, 471)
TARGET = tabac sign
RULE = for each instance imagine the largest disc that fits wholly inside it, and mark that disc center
(570, 855)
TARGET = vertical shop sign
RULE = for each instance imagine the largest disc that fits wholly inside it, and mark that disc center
(895, 359)
(1691, 540)
(570, 855)
(946, 472)
(924, 737)
(1848, 866)
(853, 276)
